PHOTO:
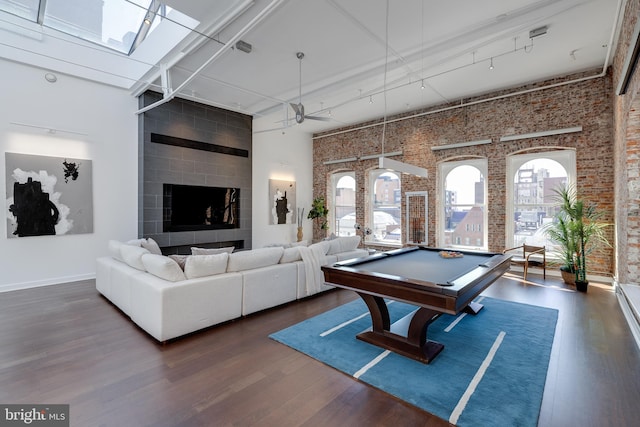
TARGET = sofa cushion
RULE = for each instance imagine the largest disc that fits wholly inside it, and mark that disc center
(213, 251)
(256, 258)
(152, 246)
(321, 246)
(291, 255)
(163, 267)
(343, 244)
(114, 249)
(180, 259)
(205, 265)
(135, 242)
(278, 245)
(132, 255)
(300, 243)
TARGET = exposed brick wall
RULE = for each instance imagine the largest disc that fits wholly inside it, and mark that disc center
(627, 159)
(587, 103)
(162, 164)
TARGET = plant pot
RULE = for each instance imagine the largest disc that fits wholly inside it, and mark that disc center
(581, 286)
(568, 277)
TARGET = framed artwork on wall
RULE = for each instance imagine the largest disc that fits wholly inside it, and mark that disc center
(282, 202)
(48, 195)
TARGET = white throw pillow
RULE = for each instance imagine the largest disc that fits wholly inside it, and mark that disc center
(152, 246)
(213, 251)
(205, 265)
(132, 255)
(163, 267)
(136, 242)
(300, 243)
(256, 258)
(322, 246)
(291, 255)
(343, 244)
(180, 259)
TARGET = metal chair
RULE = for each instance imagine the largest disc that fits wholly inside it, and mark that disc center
(529, 256)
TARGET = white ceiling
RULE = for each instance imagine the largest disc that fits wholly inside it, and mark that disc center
(447, 45)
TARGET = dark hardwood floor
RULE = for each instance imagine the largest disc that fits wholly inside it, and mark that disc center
(67, 344)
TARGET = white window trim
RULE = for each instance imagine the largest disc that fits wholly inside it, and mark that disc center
(335, 178)
(443, 170)
(566, 157)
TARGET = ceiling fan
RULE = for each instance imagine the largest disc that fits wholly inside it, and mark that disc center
(299, 108)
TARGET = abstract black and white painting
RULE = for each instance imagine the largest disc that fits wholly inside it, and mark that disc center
(282, 199)
(48, 195)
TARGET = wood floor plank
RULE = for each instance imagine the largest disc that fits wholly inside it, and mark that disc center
(67, 344)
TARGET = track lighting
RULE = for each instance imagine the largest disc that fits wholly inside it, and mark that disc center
(491, 65)
(422, 86)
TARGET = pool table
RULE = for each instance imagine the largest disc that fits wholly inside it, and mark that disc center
(435, 280)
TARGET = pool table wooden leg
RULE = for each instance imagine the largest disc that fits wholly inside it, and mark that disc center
(407, 336)
(379, 312)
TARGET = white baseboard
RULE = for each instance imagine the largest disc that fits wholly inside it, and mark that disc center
(555, 272)
(627, 310)
(46, 282)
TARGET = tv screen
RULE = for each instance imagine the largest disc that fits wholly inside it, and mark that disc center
(192, 207)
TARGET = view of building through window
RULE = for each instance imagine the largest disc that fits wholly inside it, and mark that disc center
(533, 199)
(345, 205)
(386, 208)
(385, 203)
(464, 202)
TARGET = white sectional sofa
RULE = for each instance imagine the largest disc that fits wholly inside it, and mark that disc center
(167, 300)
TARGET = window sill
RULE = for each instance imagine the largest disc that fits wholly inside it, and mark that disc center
(373, 244)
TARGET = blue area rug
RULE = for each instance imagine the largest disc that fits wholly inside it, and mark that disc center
(491, 372)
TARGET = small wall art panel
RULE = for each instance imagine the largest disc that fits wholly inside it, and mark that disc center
(48, 195)
(282, 199)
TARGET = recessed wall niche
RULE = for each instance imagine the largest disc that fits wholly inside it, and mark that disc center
(191, 144)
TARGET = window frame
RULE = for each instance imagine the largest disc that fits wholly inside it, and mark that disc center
(332, 217)
(444, 168)
(370, 205)
(565, 156)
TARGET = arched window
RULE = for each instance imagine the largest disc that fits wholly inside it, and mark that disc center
(531, 180)
(463, 215)
(384, 210)
(343, 214)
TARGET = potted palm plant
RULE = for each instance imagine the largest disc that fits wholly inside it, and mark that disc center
(577, 230)
(560, 233)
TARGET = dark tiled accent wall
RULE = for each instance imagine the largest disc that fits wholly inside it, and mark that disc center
(162, 164)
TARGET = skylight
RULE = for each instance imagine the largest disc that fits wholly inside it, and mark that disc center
(117, 24)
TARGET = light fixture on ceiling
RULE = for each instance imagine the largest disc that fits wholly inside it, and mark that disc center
(491, 65)
(422, 86)
(243, 46)
(370, 99)
(406, 168)
(51, 78)
(537, 32)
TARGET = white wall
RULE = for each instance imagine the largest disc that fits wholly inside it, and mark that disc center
(287, 156)
(106, 118)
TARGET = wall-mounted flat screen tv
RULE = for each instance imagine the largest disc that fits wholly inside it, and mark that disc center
(192, 207)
